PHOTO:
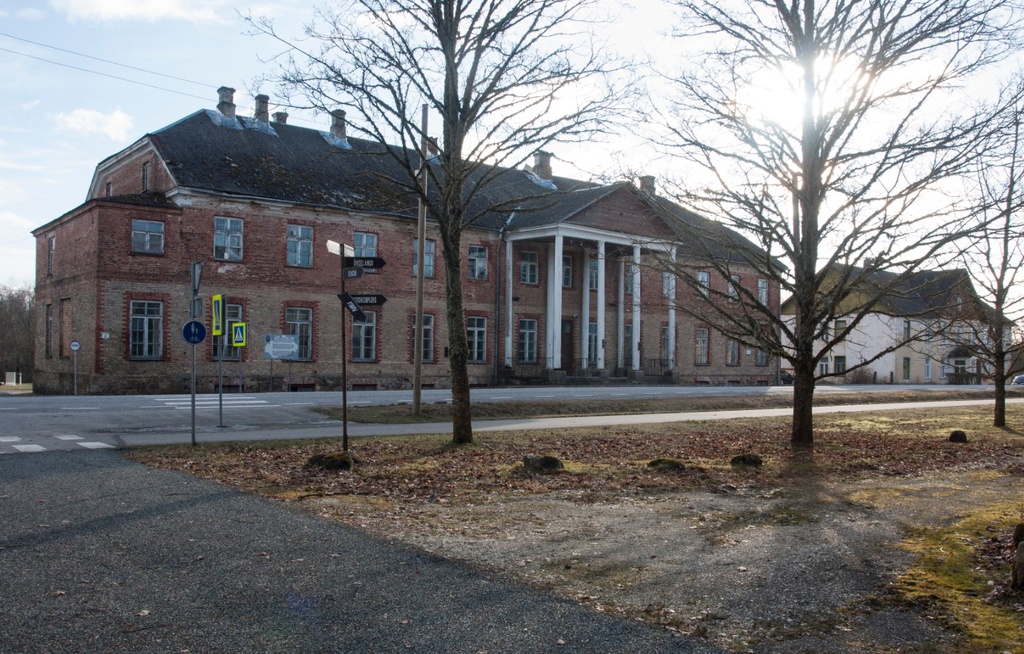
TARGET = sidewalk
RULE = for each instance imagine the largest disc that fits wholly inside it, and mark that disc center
(100, 555)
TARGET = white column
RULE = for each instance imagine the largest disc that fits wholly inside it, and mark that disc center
(620, 304)
(637, 364)
(672, 314)
(556, 304)
(509, 313)
(600, 305)
(549, 309)
(585, 310)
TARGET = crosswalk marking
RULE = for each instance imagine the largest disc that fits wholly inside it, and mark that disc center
(68, 437)
(96, 446)
(210, 402)
(9, 439)
(29, 448)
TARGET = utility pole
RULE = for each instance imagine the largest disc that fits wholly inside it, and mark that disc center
(421, 248)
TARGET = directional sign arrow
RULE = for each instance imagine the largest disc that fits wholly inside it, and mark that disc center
(374, 300)
(372, 263)
(354, 272)
(353, 308)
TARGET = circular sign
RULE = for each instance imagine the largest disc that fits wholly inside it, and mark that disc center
(193, 332)
(75, 345)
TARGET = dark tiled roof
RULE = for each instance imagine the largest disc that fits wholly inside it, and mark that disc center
(926, 293)
(158, 200)
(246, 158)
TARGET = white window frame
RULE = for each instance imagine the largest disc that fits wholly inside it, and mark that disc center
(300, 246)
(732, 355)
(228, 240)
(592, 274)
(146, 238)
(429, 250)
(566, 271)
(427, 343)
(527, 340)
(146, 338)
(299, 322)
(704, 283)
(364, 339)
(734, 288)
(364, 244)
(476, 336)
(762, 291)
(529, 268)
(476, 262)
(702, 346)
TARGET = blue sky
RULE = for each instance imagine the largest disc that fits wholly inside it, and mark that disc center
(80, 83)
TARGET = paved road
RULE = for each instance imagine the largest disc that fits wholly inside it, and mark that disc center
(38, 424)
(100, 555)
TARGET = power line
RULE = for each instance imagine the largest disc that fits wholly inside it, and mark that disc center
(96, 72)
(106, 61)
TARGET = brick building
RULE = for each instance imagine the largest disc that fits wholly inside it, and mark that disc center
(551, 293)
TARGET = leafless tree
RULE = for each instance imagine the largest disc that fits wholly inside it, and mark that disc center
(507, 77)
(995, 254)
(847, 184)
(16, 330)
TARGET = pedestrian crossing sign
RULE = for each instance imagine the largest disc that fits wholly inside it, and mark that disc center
(238, 334)
(217, 310)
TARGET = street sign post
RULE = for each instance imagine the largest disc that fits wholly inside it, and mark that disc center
(75, 346)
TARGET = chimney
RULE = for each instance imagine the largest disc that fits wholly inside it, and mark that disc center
(338, 123)
(227, 101)
(647, 184)
(262, 112)
(542, 164)
(281, 117)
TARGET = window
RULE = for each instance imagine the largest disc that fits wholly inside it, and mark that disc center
(527, 340)
(364, 338)
(145, 177)
(665, 343)
(823, 367)
(906, 368)
(300, 246)
(667, 284)
(476, 334)
(733, 355)
(701, 347)
(906, 330)
(528, 268)
(704, 283)
(51, 252)
(477, 263)
(592, 274)
(734, 288)
(566, 271)
(232, 314)
(762, 291)
(147, 236)
(428, 336)
(49, 331)
(631, 273)
(840, 328)
(927, 368)
(299, 322)
(840, 365)
(364, 244)
(146, 338)
(227, 239)
(592, 343)
(762, 357)
(429, 248)
(106, 190)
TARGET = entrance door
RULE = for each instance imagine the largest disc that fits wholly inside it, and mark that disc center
(568, 341)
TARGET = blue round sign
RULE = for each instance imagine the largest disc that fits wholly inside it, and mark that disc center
(193, 332)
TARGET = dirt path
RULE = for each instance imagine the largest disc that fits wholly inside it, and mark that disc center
(789, 570)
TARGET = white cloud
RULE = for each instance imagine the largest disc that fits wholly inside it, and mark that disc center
(30, 13)
(116, 125)
(32, 104)
(149, 10)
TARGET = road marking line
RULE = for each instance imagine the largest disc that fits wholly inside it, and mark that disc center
(68, 437)
(96, 446)
(29, 448)
(9, 439)
(81, 408)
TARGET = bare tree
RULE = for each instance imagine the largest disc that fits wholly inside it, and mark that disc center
(995, 254)
(507, 77)
(843, 189)
(16, 331)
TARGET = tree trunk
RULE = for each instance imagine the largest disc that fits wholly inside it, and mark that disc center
(999, 419)
(803, 409)
(458, 348)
